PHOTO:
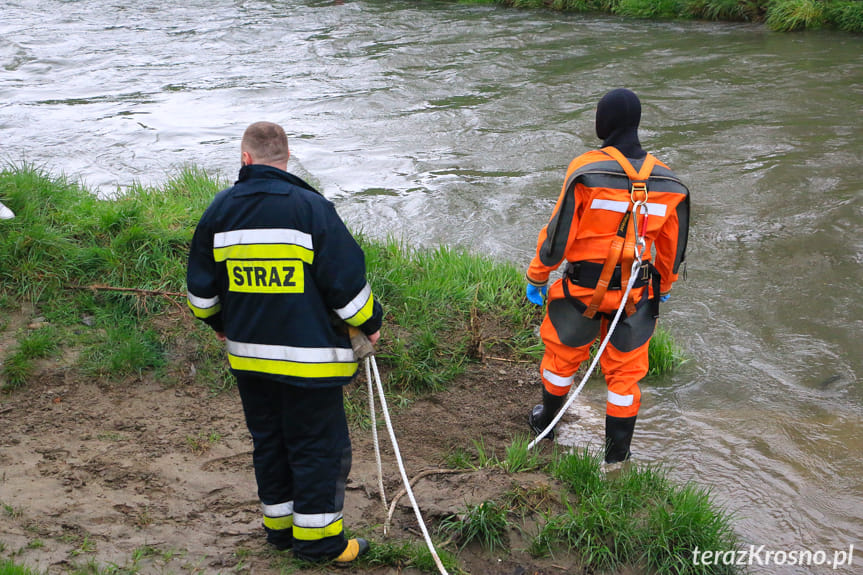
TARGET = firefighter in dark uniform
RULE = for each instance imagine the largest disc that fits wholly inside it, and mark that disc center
(275, 272)
(592, 229)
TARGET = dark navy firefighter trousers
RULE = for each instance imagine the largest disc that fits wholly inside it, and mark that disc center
(302, 457)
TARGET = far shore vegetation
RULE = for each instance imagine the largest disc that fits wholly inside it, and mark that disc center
(778, 15)
(96, 288)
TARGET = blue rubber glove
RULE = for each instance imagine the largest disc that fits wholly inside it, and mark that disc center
(664, 298)
(536, 294)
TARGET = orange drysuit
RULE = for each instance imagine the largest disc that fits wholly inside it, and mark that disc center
(590, 213)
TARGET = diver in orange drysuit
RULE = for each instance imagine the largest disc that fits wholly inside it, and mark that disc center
(592, 228)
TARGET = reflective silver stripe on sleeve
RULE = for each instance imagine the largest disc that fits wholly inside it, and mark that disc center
(313, 520)
(279, 509)
(557, 380)
(202, 302)
(289, 353)
(263, 236)
(356, 304)
(620, 400)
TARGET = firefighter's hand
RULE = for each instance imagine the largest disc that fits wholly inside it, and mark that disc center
(220, 335)
(536, 295)
(375, 337)
(665, 298)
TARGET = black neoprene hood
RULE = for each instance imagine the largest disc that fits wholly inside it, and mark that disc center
(617, 117)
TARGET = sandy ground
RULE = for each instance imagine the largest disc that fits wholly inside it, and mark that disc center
(146, 478)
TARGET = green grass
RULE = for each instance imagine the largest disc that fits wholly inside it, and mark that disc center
(7, 567)
(651, 9)
(846, 15)
(519, 458)
(631, 519)
(778, 15)
(441, 301)
(411, 554)
(636, 518)
(664, 355)
(791, 15)
(485, 523)
(446, 308)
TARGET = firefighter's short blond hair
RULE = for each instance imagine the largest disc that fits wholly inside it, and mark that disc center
(266, 142)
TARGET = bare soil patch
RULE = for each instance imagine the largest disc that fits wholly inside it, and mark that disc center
(153, 478)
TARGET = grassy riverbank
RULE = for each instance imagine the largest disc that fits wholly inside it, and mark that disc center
(91, 296)
(779, 15)
(118, 266)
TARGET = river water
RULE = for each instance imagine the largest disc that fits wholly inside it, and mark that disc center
(443, 123)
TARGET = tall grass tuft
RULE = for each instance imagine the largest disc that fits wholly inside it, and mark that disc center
(20, 365)
(580, 471)
(633, 518)
(652, 9)
(791, 15)
(7, 567)
(664, 355)
(780, 15)
(726, 10)
(486, 523)
(845, 15)
(519, 457)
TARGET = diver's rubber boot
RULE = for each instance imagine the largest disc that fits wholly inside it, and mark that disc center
(618, 436)
(541, 415)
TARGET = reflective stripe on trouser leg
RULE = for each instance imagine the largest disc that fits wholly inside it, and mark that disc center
(279, 517)
(560, 361)
(623, 371)
(316, 526)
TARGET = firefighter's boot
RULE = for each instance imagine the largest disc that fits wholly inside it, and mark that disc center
(618, 436)
(541, 415)
(354, 549)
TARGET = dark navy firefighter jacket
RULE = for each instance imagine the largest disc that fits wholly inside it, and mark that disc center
(273, 266)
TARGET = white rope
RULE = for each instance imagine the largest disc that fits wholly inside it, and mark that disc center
(636, 264)
(375, 437)
(371, 360)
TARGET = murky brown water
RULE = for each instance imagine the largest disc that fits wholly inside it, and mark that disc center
(454, 124)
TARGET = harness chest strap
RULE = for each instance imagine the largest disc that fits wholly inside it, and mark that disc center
(624, 241)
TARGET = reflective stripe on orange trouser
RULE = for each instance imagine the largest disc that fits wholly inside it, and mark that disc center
(622, 369)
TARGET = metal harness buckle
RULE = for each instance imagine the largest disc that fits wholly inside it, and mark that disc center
(645, 272)
(638, 193)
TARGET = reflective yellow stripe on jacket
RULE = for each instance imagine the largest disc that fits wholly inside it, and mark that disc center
(360, 309)
(203, 307)
(313, 362)
(271, 243)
